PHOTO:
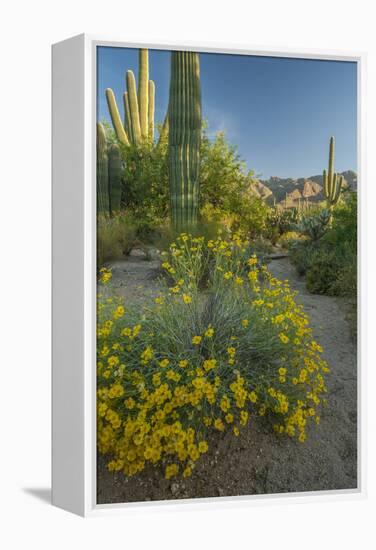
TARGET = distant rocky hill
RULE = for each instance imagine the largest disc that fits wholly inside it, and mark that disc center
(300, 189)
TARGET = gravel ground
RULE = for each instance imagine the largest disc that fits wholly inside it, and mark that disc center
(257, 462)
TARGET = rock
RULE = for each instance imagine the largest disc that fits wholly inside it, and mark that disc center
(175, 488)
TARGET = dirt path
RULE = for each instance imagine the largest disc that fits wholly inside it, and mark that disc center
(258, 462)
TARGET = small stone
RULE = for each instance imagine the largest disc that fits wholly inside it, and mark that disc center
(174, 488)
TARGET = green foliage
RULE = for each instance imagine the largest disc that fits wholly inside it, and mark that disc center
(185, 124)
(145, 183)
(314, 226)
(289, 238)
(323, 269)
(227, 193)
(330, 262)
(222, 172)
(280, 221)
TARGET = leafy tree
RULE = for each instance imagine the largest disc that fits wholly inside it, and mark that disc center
(227, 191)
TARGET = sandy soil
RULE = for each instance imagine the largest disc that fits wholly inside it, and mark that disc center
(259, 462)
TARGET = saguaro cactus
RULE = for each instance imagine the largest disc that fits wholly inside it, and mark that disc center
(184, 137)
(114, 177)
(139, 113)
(102, 172)
(332, 181)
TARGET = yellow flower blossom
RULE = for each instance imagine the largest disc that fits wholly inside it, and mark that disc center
(209, 332)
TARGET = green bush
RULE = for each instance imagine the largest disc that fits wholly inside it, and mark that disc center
(289, 238)
(322, 271)
(314, 226)
(185, 367)
(280, 221)
(300, 255)
(328, 257)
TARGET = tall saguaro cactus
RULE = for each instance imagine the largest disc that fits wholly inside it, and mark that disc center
(138, 125)
(102, 172)
(332, 181)
(185, 123)
(114, 177)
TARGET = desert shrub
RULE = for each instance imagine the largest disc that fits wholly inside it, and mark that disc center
(191, 363)
(289, 238)
(227, 189)
(115, 237)
(322, 272)
(328, 256)
(314, 226)
(145, 183)
(280, 221)
(346, 280)
(300, 253)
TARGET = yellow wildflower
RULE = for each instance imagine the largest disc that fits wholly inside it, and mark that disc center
(187, 299)
(209, 332)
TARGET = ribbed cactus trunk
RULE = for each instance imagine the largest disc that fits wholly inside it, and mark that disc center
(103, 205)
(143, 92)
(184, 138)
(332, 181)
(114, 178)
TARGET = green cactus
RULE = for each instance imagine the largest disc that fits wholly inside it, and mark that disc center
(115, 117)
(139, 110)
(143, 92)
(151, 109)
(102, 172)
(332, 181)
(184, 138)
(114, 177)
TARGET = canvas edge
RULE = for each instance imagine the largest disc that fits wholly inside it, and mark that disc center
(68, 381)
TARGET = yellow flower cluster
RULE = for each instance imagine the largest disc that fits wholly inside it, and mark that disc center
(169, 376)
(105, 275)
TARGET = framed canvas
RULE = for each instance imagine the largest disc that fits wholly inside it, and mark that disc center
(207, 289)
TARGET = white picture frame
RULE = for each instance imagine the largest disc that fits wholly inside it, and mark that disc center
(74, 277)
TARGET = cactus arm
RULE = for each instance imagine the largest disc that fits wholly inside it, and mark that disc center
(164, 130)
(115, 117)
(151, 110)
(102, 172)
(133, 107)
(143, 91)
(331, 158)
(337, 191)
(127, 116)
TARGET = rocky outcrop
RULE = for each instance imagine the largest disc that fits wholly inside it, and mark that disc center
(311, 189)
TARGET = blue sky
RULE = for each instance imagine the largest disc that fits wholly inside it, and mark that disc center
(280, 112)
